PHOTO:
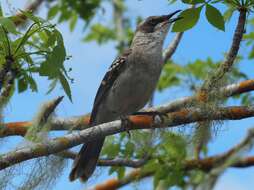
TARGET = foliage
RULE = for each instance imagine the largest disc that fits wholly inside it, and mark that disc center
(38, 51)
(193, 74)
(72, 10)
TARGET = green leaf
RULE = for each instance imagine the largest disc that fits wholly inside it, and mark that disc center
(193, 2)
(47, 69)
(151, 166)
(190, 19)
(60, 49)
(55, 60)
(100, 33)
(32, 17)
(129, 149)
(228, 14)
(51, 38)
(53, 12)
(32, 83)
(1, 11)
(251, 54)
(73, 21)
(214, 17)
(110, 148)
(119, 170)
(160, 174)
(52, 86)
(22, 85)
(8, 25)
(65, 86)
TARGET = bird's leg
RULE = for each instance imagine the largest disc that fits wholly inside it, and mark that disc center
(126, 123)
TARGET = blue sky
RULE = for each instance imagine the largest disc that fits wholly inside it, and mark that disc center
(88, 69)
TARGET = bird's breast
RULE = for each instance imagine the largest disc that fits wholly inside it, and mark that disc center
(132, 90)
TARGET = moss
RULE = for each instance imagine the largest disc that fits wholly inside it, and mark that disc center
(64, 141)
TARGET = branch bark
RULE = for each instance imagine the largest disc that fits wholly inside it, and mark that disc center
(214, 81)
(112, 184)
(172, 47)
(108, 162)
(225, 67)
(181, 117)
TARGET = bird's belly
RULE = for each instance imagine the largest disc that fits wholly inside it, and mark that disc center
(130, 93)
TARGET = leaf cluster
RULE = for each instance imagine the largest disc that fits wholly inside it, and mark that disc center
(72, 10)
(38, 51)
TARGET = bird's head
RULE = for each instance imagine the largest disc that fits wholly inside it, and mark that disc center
(155, 27)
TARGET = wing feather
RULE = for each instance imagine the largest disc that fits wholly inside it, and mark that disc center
(109, 78)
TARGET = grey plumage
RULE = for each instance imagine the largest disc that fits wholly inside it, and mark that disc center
(126, 87)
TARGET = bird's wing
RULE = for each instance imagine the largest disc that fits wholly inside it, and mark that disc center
(112, 74)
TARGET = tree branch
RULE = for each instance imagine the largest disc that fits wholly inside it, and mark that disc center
(20, 18)
(112, 184)
(225, 67)
(172, 47)
(81, 122)
(206, 165)
(214, 81)
(184, 116)
(137, 174)
(108, 162)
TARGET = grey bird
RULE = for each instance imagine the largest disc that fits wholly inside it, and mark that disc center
(126, 87)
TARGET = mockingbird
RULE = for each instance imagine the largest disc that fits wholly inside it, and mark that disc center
(126, 87)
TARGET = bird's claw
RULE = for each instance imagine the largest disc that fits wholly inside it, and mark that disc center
(157, 116)
(126, 123)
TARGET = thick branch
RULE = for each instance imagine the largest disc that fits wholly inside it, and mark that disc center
(81, 122)
(112, 184)
(7, 75)
(6, 89)
(181, 117)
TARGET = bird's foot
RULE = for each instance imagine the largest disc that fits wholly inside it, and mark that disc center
(126, 123)
(157, 116)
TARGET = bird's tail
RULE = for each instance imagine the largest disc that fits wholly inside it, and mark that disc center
(85, 162)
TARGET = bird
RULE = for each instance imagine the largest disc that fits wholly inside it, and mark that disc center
(126, 87)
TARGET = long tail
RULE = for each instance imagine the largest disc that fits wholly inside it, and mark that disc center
(85, 162)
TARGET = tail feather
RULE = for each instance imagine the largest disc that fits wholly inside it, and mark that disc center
(86, 161)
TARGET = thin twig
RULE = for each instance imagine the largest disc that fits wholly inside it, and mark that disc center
(119, 162)
(172, 47)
